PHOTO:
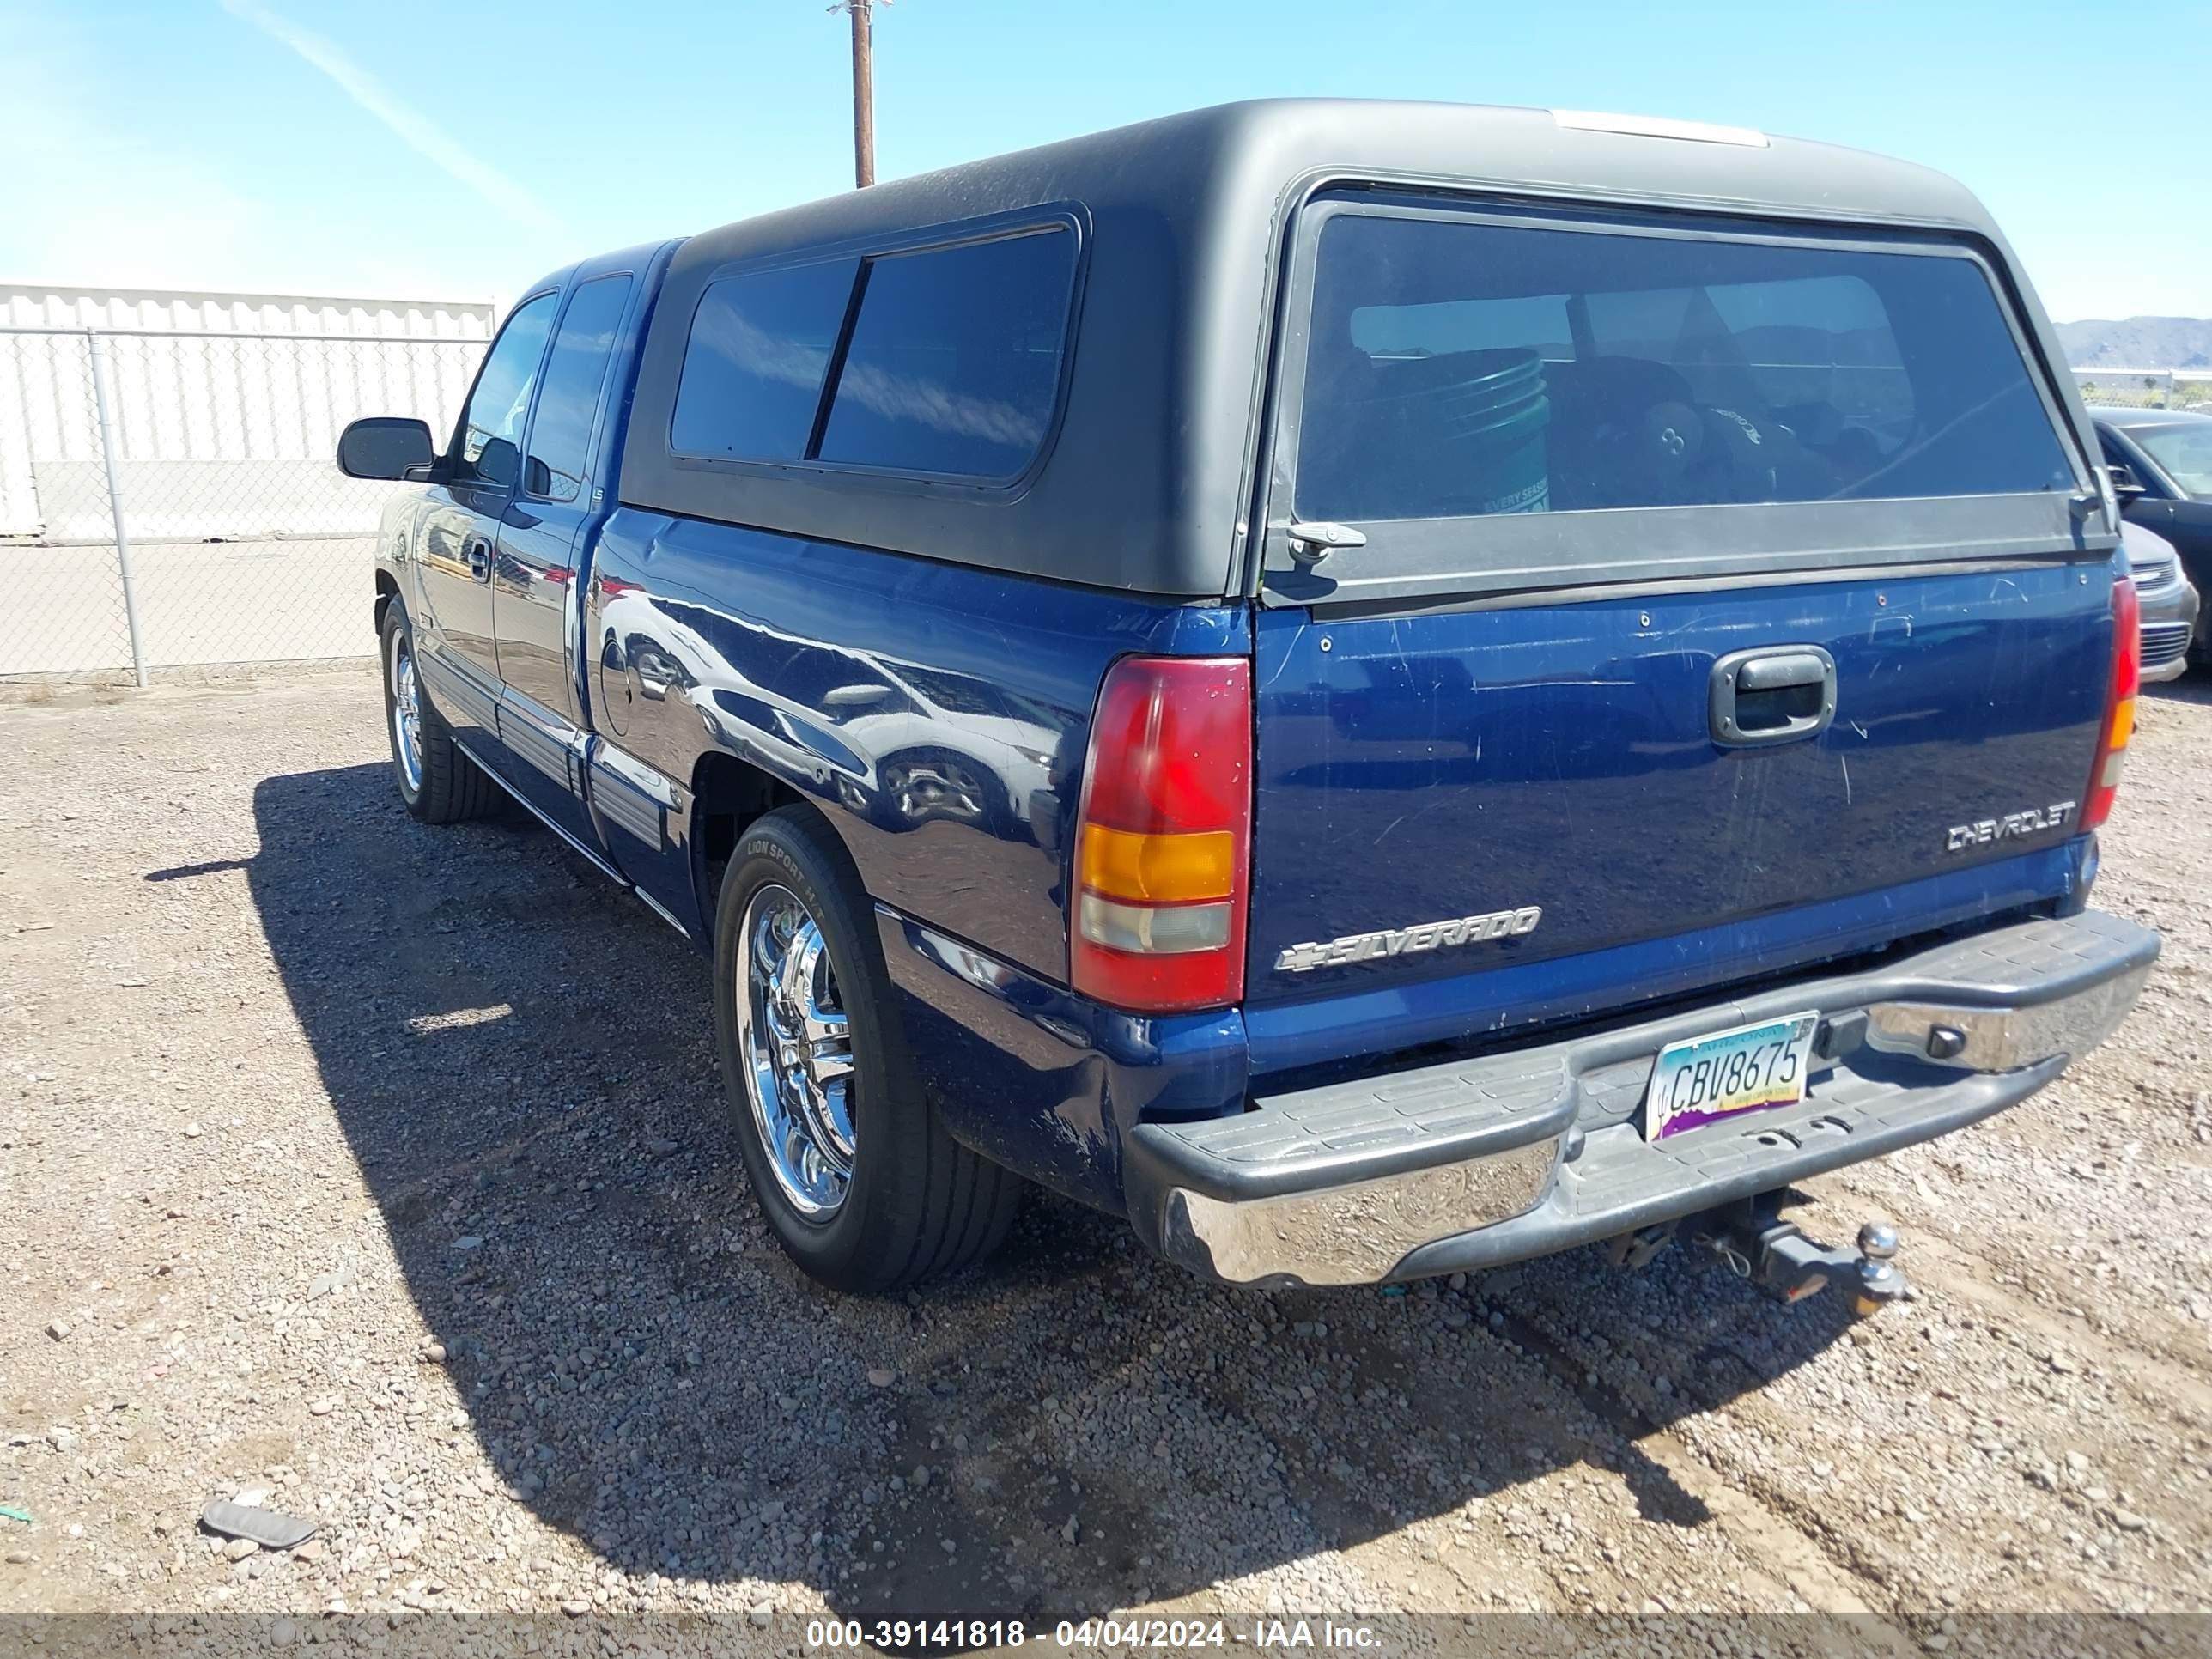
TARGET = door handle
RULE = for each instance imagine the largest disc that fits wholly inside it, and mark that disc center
(1771, 694)
(479, 555)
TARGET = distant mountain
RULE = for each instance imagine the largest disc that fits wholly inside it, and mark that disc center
(2139, 343)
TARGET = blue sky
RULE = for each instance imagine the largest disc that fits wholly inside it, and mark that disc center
(456, 150)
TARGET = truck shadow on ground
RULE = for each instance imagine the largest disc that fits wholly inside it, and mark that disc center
(2195, 686)
(520, 1058)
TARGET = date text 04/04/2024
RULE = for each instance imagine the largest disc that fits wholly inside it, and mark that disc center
(952, 1635)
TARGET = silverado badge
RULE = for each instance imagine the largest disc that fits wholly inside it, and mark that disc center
(1405, 941)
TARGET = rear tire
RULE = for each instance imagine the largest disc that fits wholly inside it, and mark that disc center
(437, 782)
(857, 1177)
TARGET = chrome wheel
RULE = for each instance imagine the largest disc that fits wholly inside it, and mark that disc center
(406, 713)
(798, 1051)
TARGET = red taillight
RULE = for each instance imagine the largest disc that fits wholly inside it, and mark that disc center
(1163, 841)
(2120, 704)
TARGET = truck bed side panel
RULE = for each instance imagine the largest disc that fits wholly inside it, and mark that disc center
(939, 714)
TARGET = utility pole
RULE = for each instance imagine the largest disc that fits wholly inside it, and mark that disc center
(864, 89)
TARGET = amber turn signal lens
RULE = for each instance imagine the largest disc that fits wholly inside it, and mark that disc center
(2120, 704)
(1173, 869)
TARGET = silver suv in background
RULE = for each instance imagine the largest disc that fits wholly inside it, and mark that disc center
(2160, 461)
(2169, 603)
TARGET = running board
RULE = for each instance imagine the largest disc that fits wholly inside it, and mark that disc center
(597, 860)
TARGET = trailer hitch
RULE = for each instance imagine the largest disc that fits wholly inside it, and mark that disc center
(1757, 1244)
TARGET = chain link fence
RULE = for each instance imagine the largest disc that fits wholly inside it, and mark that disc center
(2146, 388)
(168, 503)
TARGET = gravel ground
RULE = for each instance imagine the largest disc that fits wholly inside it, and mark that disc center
(383, 1169)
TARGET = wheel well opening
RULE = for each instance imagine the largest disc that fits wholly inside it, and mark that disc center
(726, 795)
(386, 590)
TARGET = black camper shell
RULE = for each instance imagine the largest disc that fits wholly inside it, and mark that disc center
(1158, 472)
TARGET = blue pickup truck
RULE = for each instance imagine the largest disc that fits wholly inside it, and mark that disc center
(1377, 689)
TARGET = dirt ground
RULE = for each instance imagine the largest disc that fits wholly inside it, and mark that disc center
(382, 1170)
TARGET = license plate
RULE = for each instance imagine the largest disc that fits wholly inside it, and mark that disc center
(1748, 1069)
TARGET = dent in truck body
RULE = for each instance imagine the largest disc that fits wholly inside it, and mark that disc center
(1043, 1081)
(1052, 1084)
(970, 895)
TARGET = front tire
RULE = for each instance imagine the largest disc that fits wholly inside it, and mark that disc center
(855, 1174)
(437, 782)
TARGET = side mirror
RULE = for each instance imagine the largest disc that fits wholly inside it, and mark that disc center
(499, 463)
(2125, 484)
(384, 447)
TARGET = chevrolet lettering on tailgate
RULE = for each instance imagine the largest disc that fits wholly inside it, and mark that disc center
(2027, 823)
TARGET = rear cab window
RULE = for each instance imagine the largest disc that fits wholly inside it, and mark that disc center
(1503, 399)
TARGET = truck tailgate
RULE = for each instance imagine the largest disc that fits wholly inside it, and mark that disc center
(1554, 769)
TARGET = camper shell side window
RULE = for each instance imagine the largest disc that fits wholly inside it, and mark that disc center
(941, 361)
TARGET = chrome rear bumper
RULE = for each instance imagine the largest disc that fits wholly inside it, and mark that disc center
(1477, 1162)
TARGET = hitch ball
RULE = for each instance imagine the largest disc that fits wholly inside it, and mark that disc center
(1880, 1280)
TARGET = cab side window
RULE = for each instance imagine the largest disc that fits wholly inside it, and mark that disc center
(488, 452)
(569, 404)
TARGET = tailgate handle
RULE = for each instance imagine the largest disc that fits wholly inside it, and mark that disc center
(1772, 694)
(1780, 672)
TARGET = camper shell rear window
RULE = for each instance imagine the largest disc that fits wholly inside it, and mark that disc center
(1499, 398)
